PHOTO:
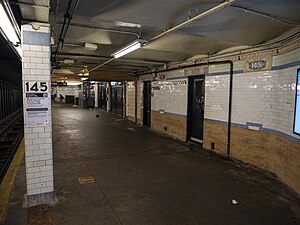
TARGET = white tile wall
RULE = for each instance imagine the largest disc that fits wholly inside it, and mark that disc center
(69, 90)
(216, 97)
(171, 96)
(265, 97)
(286, 58)
(38, 138)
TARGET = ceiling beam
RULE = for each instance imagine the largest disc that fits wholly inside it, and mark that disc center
(84, 56)
(110, 76)
(102, 29)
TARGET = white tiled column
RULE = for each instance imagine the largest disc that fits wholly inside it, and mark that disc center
(38, 135)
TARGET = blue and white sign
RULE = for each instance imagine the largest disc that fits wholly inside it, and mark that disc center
(297, 106)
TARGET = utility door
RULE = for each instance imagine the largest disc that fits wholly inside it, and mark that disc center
(196, 109)
(102, 98)
(147, 103)
(117, 99)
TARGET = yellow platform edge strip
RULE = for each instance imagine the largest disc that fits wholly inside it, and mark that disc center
(8, 181)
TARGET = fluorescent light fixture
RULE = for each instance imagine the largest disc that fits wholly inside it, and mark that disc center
(125, 24)
(90, 46)
(130, 48)
(7, 22)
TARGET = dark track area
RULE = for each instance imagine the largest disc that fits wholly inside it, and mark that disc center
(11, 134)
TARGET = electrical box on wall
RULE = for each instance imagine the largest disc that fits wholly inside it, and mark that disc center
(297, 105)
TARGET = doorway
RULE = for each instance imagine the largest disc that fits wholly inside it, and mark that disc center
(196, 109)
(147, 104)
(117, 98)
(102, 96)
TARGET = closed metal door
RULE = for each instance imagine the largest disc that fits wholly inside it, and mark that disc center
(147, 104)
(196, 109)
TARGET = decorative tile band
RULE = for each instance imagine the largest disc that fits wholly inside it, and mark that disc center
(285, 66)
(225, 73)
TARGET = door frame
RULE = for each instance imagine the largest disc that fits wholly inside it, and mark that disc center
(145, 123)
(114, 98)
(190, 104)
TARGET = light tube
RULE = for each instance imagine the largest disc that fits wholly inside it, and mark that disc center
(130, 48)
(8, 29)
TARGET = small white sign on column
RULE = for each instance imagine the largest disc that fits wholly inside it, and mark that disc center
(37, 110)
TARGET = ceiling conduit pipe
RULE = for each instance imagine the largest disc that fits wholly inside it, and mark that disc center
(185, 23)
(104, 29)
(230, 63)
(57, 4)
(67, 19)
(280, 20)
(195, 18)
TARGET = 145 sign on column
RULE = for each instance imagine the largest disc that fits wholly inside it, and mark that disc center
(31, 87)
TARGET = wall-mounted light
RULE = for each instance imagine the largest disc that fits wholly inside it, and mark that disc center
(90, 46)
(130, 48)
(9, 27)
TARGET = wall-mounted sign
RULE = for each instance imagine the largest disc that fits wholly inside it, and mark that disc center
(257, 65)
(31, 87)
(37, 102)
(297, 105)
(37, 108)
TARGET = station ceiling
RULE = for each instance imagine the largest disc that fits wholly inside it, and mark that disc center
(112, 24)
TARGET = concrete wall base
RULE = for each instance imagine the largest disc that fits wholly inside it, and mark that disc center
(39, 199)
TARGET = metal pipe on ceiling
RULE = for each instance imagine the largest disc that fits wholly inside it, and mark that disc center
(185, 23)
(67, 19)
(102, 64)
(74, 55)
(250, 50)
(57, 4)
(104, 29)
(285, 21)
(195, 18)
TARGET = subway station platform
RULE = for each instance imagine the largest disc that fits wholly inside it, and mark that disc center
(144, 178)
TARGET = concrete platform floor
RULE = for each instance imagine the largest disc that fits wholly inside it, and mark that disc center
(143, 178)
